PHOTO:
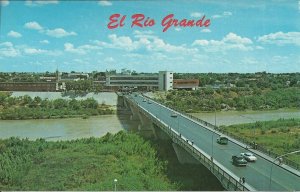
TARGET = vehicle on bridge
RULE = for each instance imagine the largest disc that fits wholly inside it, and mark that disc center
(239, 161)
(222, 140)
(249, 156)
(174, 115)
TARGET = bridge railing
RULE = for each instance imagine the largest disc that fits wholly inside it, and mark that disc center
(260, 148)
(232, 182)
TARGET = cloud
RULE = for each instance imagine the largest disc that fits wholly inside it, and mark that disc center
(7, 49)
(196, 14)
(33, 25)
(230, 41)
(4, 3)
(148, 43)
(69, 47)
(109, 60)
(280, 38)
(143, 34)
(14, 34)
(105, 3)
(59, 32)
(40, 3)
(44, 41)
(34, 51)
(83, 49)
(224, 14)
(227, 13)
(206, 30)
(216, 16)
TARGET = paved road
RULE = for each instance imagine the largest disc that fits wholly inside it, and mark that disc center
(256, 174)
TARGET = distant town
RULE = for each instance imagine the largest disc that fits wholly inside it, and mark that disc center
(131, 80)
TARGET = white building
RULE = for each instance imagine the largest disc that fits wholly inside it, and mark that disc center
(165, 80)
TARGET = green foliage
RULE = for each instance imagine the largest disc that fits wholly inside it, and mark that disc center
(208, 99)
(84, 164)
(280, 135)
(25, 107)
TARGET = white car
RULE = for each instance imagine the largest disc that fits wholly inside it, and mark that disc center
(249, 156)
(174, 115)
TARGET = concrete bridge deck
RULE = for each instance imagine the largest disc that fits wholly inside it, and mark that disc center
(185, 130)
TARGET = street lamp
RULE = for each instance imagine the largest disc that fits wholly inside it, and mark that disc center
(212, 135)
(279, 162)
(115, 181)
(178, 122)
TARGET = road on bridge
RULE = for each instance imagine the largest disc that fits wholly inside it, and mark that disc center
(256, 174)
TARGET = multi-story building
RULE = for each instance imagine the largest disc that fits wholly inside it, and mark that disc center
(161, 81)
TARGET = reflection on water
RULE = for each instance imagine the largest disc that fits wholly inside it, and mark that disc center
(236, 117)
(65, 129)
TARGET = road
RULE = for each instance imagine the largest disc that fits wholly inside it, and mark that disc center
(257, 174)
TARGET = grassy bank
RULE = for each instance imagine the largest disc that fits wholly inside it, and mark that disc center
(280, 136)
(85, 164)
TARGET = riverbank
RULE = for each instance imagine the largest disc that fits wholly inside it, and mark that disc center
(28, 107)
(249, 116)
(107, 98)
(82, 165)
(277, 136)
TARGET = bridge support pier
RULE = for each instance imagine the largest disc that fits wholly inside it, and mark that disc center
(146, 128)
(134, 112)
(126, 104)
(183, 156)
(161, 134)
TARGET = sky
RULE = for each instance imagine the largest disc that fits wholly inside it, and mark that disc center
(242, 36)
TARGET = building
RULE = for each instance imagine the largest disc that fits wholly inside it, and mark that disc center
(28, 86)
(142, 82)
(163, 81)
(186, 84)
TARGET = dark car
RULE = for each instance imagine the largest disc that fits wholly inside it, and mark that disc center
(239, 161)
(222, 140)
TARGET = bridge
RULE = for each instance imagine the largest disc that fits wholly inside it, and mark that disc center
(195, 142)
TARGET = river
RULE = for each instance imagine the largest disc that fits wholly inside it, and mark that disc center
(65, 129)
(75, 128)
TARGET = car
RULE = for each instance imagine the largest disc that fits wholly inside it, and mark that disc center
(144, 100)
(222, 140)
(135, 95)
(249, 156)
(238, 160)
(149, 102)
(174, 115)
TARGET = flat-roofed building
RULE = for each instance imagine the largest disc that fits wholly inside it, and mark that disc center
(185, 84)
(161, 81)
(28, 86)
(148, 82)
